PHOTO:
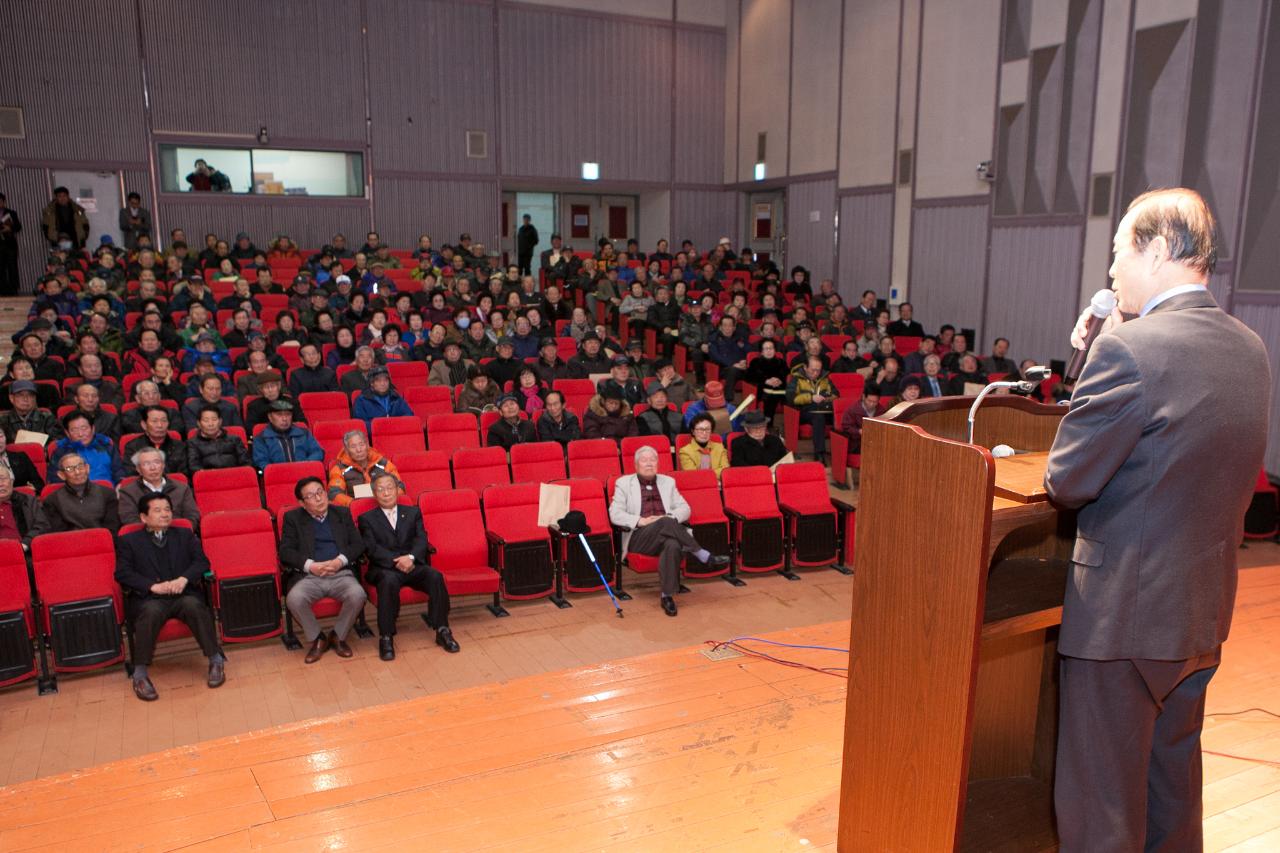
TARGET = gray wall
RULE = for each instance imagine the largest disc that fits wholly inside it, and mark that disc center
(642, 92)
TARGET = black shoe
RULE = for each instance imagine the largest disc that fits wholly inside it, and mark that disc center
(444, 639)
(717, 560)
(669, 605)
(145, 690)
(217, 674)
(386, 648)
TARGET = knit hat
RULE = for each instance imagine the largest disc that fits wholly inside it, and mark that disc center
(713, 395)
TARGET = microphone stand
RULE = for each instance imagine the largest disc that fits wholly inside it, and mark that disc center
(1022, 385)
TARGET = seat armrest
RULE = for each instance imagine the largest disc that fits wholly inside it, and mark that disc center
(620, 528)
(842, 506)
(734, 515)
(494, 538)
(788, 509)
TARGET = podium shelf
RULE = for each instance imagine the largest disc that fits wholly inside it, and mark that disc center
(1023, 594)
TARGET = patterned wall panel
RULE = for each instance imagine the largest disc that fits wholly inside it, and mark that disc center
(1265, 320)
(82, 60)
(866, 244)
(606, 100)
(1033, 289)
(703, 216)
(444, 209)
(294, 68)
(423, 97)
(699, 129)
(948, 264)
(810, 240)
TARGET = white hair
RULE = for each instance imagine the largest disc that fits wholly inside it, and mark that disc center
(646, 450)
(136, 457)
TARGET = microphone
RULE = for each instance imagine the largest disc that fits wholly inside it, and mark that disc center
(1100, 308)
(1035, 375)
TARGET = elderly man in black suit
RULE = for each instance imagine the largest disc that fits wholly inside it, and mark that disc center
(161, 569)
(319, 546)
(398, 551)
(1168, 417)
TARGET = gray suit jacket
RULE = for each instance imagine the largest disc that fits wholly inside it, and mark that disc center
(624, 509)
(1160, 450)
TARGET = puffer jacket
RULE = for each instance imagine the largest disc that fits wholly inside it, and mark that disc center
(225, 451)
(345, 475)
(597, 423)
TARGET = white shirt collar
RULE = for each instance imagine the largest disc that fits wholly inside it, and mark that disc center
(1169, 294)
(392, 514)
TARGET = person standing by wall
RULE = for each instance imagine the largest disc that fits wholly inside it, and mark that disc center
(10, 228)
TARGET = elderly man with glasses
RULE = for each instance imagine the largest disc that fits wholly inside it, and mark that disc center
(79, 504)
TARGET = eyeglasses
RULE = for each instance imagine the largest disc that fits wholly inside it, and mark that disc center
(71, 469)
(703, 428)
(314, 495)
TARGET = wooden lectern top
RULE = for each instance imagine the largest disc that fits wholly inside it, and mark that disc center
(1021, 478)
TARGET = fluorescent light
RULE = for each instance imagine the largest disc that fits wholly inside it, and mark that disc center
(590, 171)
(760, 171)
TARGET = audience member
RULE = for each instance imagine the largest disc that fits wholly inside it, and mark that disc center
(20, 514)
(22, 471)
(557, 423)
(905, 326)
(810, 390)
(282, 441)
(212, 447)
(510, 429)
(851, 421)
(728, 349)
(380, 400)
(161, 569)
(79, 504)
(999, 361)
(25, 416)
(660, 418)
(151, 464)
(156, 435)
(353, 472)
(452, 370)
(706, 451)
(757, 446)
(97, 451)
(609, 416)
(210, 394)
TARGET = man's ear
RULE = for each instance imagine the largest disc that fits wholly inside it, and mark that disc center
(1157, 253)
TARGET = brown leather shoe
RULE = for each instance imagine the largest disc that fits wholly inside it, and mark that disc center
(145, 690)
(318, 648)
(340, 646)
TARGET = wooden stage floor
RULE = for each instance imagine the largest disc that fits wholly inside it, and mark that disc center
(667, 751)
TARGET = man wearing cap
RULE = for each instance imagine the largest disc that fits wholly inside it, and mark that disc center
(660, 418)
(282, 441)
(379, 400)
(641, 367)
(270, 389)
(357, 464)
(620, 378)
(550, 366)
(243, 250)
(590, 358)
(505, 368)
(25, 415)
(511, 429)
(155, 434)
(608, 415)
(678, 391)
(652, 513)
(758, 446)
(451, 370)
(714, 404)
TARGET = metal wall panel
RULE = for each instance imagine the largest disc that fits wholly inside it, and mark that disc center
(605, 99)
(27, 192)
(1032, 289)
(425, 95)
(75, 71)
(811, 234)
(703, 216)
(699, 130)
(948, 264)
(866, 244)
(1265, 320)
(310, 226)
(294, 68)
(407, 208)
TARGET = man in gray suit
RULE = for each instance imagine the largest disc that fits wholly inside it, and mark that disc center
(1160, 450)
(651, 512)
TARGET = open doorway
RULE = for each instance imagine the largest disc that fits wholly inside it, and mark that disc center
(766, 225)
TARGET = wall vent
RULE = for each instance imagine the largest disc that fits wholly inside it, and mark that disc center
(11, 126)
(477, 144)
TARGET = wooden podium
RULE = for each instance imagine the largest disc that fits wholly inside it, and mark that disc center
(951, 719)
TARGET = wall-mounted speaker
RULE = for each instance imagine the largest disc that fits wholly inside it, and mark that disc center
(1100, 195)
(905, 162)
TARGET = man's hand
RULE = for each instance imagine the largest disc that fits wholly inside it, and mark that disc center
(1078, 333)
(773, 382)
(161, 588)
(178, 584)
(741, 365)
(404, 562)
(647, 520)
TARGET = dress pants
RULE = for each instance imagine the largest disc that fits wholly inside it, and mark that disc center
(389, 582)
(1128, 773)
(309, 589)
(150, 614)
(817, 418)
(668, 540)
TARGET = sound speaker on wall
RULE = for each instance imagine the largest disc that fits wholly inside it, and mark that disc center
(1100, 195)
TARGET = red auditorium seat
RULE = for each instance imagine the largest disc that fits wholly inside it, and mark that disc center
(408, 374)
(817, 525)
(684, 438)
(756, 520)
(82, 606)
(594, 457)
(241, 547)
(477, 468)
(587, 496)
(424, 471)
(658, 442)
(1262, 519)
(321, 406)
(539, 462)
(279, 479)
(701, 491)
(397, 436)
(328, 435)
(17, 619)
(35, 453)
(449, 432)
(428, 400)
(224, 489)
(841, 460)
(488, 419)
(577, 393)
(519, 549)
(455, 529)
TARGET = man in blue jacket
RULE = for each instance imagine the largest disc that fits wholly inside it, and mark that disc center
(98, 451)
(281, 441)
(728, 349)
(379, 400)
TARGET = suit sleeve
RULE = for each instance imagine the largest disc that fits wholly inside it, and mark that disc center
(619, 513)
(127, 573)
(354, 548)
(419, 547)
(291, 545)
(1107, 416)
(111, 516)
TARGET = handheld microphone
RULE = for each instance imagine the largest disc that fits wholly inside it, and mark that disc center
(1100, 308)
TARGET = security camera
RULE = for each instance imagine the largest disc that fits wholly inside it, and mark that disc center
(987, 171)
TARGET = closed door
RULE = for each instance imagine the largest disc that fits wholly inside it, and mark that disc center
(766, 232)
(99, 194)
(589, 218)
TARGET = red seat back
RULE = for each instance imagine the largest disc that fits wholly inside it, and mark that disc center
(658, 442)
(803, 485)
(749, 491)
(396, 436)
(541, 461)
(684, 438)
(512, 512)
(577, 393)
(74, 566)
(241, 543)
(594, 457)
(428, 400)
(407, 374)
(15, 590)
(587, 496)
(449, 432)
(328, 435)
(476, 468)
(424, 471)
(701, 490)
(222, 489)
(456, 529)
(35, 453)
(321, 406)
(279, 479)
(848, 384)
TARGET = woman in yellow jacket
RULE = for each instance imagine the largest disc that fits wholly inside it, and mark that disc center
(702, 452)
